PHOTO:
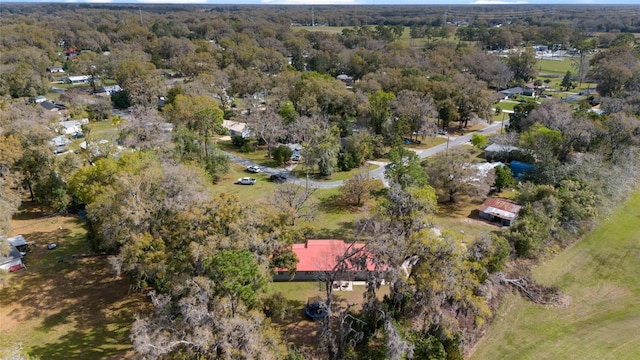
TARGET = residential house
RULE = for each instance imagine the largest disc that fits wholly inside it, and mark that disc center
(498, 96)
(317, 257)
(38, 99)
(515, 91)
(55, 69)
(499, 210)
(59, 141)
(71, 127)
(13, 260)
(345, 79)
(59, 144)
(71, 54)
(78, 79)
(110, 90)
(51, 106)
(496, 150)
(237, 128)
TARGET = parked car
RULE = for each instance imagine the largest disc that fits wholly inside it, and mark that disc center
(278, 178)
(77, 135)
(253, 169)
(442, 132)
(246, 181)
(295, 157)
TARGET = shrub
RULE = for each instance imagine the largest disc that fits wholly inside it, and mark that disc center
(282, 154)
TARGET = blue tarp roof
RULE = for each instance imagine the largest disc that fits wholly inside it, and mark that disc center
(518, 168)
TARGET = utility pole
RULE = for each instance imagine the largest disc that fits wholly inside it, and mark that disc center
(140, 11)
(313, 17)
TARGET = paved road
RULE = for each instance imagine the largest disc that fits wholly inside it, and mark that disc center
(378, 173)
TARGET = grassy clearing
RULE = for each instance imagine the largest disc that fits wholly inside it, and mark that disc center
(427, 143)
(258, 156)
(463, 220)
(258, 193)
(67, 304)
(301, 172)
(600, 274)
(104, 130)
(507, 104)
(556, 66)
(331, 221)
(328, 29)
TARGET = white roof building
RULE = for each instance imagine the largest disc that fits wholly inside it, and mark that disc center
(72, 126)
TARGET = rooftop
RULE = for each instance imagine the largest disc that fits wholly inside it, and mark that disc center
(323, 255)
(500, 208)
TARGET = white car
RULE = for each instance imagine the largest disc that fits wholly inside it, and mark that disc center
(246, 181)
(253, 169)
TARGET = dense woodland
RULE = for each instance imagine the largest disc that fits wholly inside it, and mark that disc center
(205, 257)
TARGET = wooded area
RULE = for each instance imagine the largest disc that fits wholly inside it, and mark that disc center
(163, 80)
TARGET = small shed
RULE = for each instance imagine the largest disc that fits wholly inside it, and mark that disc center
(499, 210)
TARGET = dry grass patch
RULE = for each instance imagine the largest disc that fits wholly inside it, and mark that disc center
(67, 303)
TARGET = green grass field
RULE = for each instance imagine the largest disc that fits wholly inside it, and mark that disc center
(559, 67)
(600, 274)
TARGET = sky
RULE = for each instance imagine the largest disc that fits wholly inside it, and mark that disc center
(347, 2)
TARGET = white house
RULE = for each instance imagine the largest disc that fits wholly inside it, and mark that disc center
(56, 69)
(237, 128)
(59, 142)
(79, 79)
(111, 89)
(70, 127)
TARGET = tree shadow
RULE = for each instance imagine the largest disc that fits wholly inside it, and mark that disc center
(344, 232)
(70, 291)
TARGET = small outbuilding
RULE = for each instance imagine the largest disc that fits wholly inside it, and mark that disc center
(499, 210)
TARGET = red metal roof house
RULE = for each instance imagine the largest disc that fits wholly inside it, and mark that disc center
(317, 257)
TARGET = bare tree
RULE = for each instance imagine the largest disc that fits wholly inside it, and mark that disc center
(357, 189)
(266, 125)
(417, 109)
(193, 322)
(145, 130)
(294, 202)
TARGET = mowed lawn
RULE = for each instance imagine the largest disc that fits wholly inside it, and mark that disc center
(601, 275)
(67, 304)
